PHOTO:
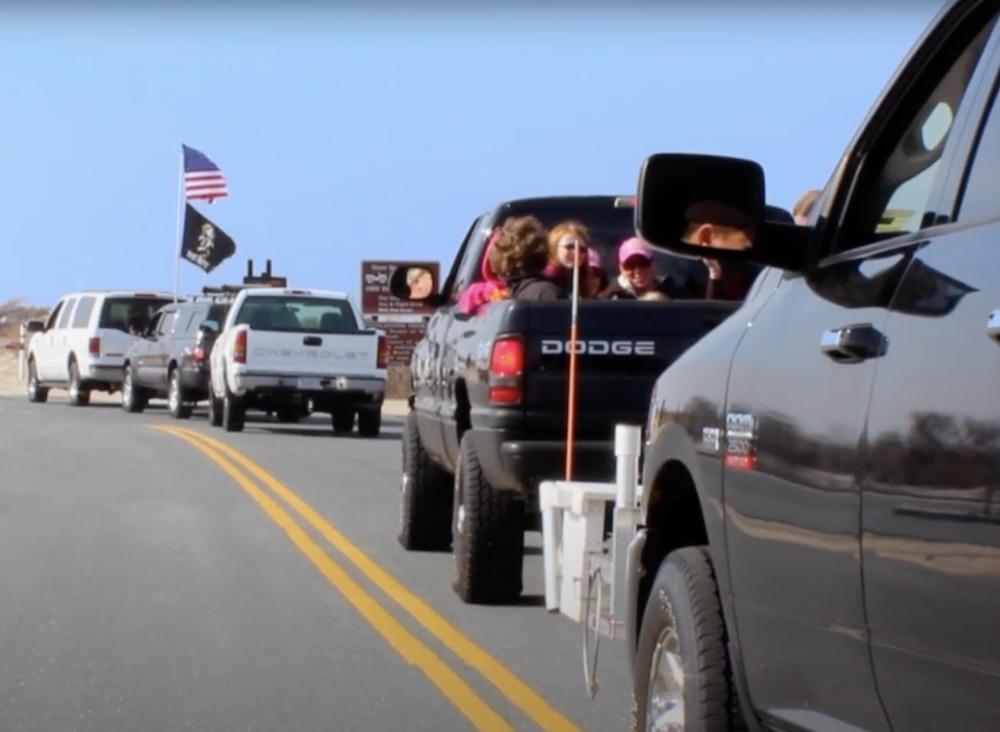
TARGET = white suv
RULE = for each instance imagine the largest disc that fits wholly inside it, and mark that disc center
(82, 345)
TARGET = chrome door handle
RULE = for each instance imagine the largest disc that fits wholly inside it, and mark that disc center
(854, 343)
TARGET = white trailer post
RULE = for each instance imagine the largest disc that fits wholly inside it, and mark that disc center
(585, 570)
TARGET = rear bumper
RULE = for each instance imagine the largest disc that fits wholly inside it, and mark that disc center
(104, 372)
(194, 379)
(512, 463)
(326, 392)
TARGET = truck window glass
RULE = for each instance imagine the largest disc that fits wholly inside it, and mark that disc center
(217, 312)
(51, 322)
(166, 322)
(896, 183)
(469, 269)
(979, 199)
(83, 310)
(118, 311)
(64, 317)
(297, 315)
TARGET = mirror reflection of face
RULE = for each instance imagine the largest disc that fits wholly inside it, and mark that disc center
(714, 236)
(638, 270)
(421, 283)
(567, 244)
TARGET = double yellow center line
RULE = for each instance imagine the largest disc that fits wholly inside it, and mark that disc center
(409, 646)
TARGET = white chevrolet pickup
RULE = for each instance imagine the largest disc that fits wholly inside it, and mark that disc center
(292, 351)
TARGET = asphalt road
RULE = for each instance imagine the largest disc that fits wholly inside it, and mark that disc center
(150, 580)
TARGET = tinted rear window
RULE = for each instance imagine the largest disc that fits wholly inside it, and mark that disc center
(298, 315)
(119, 312)
(610, 226)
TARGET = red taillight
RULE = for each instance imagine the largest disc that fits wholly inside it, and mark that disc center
(198, 354)
(383, 352)
(94, 347)
(506, 370)
(240, 347)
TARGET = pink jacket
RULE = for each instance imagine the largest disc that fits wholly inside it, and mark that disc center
(480, 294)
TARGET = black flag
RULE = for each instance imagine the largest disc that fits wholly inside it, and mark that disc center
(205, 244)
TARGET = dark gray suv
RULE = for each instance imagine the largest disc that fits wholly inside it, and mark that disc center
(171, 358)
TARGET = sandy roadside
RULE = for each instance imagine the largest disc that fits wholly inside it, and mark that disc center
(11, 385)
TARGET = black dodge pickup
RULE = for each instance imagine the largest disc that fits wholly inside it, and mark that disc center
(489, 397)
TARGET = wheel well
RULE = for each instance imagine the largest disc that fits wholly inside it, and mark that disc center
(673, 520)
(463, 419)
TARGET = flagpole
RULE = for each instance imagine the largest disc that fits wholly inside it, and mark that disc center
(180, 213)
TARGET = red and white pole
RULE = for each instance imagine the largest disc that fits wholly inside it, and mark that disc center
(571, 397)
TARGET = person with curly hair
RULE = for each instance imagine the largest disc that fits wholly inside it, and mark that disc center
(519, 256)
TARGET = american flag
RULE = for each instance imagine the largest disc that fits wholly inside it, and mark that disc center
(202, 178)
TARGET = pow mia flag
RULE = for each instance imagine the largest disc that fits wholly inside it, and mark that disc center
(205, 244)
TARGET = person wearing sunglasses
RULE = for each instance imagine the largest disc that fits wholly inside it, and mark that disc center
(636, 272)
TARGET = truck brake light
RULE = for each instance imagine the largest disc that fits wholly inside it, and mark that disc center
(240, 347)
(506, 370)
(94, 347)
(383, 352)
(198, 354)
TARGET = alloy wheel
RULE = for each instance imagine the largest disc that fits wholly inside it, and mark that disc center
(665, 711)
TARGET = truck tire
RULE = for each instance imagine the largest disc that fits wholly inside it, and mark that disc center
(177, 399)
(36, 393)
(79, 395)
(487, 535)
(370, 422)
(425, 497)
(133, 397)
(682, 671)
(343, 421)
(214, 409)
(234, 412)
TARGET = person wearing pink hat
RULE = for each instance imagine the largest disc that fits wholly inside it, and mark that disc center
(637, 272)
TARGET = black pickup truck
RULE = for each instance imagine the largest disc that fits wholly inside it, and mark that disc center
(489, 398)
(821, 530)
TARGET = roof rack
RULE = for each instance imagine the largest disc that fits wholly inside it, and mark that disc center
(265, 279)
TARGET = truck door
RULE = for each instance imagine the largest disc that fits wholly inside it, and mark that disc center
(42, 346)
(58, 356)
(931, 494)
(432, 360)
(143, 352)
(798, 399)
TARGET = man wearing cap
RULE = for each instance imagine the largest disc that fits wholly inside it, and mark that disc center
(637, 272)
(715, 225)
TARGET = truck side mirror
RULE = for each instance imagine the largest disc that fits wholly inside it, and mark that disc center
(710, 206)
(209, 327)
(412, 283)
(34, 326)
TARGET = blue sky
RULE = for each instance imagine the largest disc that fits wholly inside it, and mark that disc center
(350, 134)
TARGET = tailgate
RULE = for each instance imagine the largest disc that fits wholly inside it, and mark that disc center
(623, 348)
(294, 354)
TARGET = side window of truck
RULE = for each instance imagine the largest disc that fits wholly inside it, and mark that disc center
(84, 308)
(468, 270)
(51, 322)
(979, 198)
(897, 178)
(66, 312)
(166, 322)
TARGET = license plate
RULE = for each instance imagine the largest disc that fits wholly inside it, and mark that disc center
(309, 384)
